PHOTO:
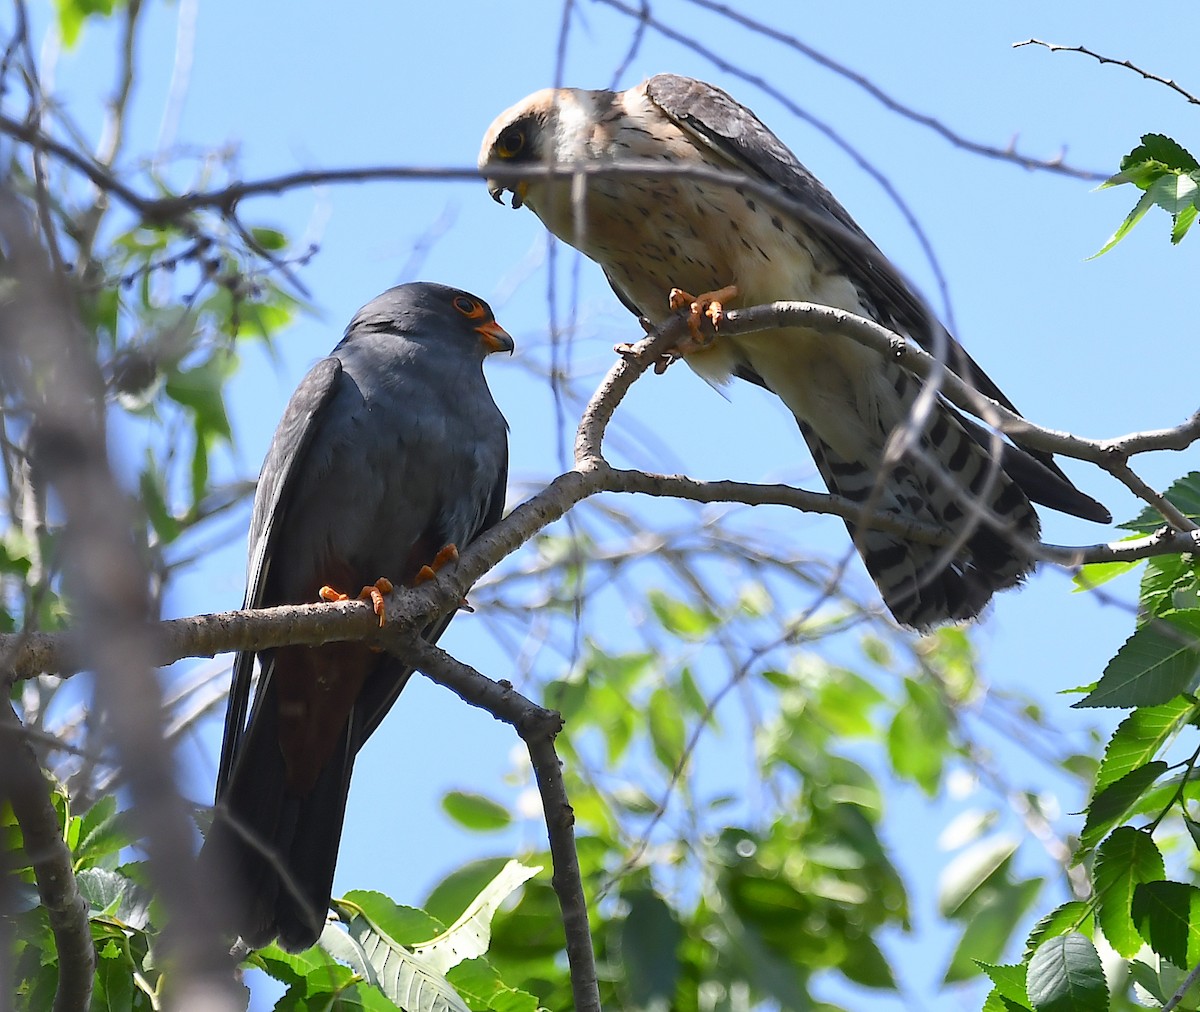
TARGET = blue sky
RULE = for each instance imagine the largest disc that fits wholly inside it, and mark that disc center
(1090, 346)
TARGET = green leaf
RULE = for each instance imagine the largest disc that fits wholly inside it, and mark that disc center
(1009, 981)
(1145, 202)
(1072, 916)
(1161, 148)
(648, 942)
(111, 894)
(668, 734)
(866, 964)
(403, 977)
(1158, 980)
(269, 238)
(1065, 975)
(72, 13)
(201, 389)
(406, 925)
(995, 912)
(475, 811)
(114, 988)
(1140, 737)
(468, 936)
(1186, 217)
(970, 870)
(681, 619)
(101, 833)
(1167, 915)
(1126, 859)
(1110, 805)
(480, 984)
(1168, 584)
(1158, 662)
(1095, 574)
(1184, 495)
(918, 737)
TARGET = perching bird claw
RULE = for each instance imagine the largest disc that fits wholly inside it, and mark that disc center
(705, 305)
(373, 593)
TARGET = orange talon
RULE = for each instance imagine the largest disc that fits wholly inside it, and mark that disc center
(373, 593)
(706, 304)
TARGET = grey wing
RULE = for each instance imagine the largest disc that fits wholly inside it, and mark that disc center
(379, 694)
(728, 127)
(292, 438)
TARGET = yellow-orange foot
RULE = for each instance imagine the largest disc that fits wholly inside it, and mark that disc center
(373, 593)
(440, 561)
(706, 304)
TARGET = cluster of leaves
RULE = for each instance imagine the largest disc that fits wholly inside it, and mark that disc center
(1146, 923)
(119, 912)
(1168, 176)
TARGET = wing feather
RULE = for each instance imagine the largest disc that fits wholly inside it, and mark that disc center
(284, 462)
(715, 119)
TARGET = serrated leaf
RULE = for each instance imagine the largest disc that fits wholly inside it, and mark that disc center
(1167, 915)
(1161, 148)
(1065, 975)
(1140, 737)
(470, 934)
(403, 924)
(1072, 916)
(111, 894)
(474, 811)
(1168, 584)
(1127, 858)
(1009, 981)
(1184, 495)
(1110, 805)
(403, 977)
(1158, 662)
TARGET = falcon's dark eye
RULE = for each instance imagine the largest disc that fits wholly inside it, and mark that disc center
(511, 142)
(471, 309)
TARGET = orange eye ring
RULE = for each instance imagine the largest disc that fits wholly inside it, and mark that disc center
(471, 309)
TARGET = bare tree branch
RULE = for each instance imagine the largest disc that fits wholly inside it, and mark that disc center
(1008, 154)
(1055, 48)
(537, 727)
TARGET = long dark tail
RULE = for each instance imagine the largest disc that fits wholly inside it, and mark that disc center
(277, 849)
(949, 480)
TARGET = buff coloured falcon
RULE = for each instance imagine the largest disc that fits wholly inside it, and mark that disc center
(389, 452)
(655, 234)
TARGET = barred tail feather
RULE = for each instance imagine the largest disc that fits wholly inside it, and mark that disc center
(948, 479)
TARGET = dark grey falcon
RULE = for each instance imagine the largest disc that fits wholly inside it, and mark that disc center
(660, 237)
(391, 451)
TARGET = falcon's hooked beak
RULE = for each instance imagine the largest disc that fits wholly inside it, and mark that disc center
(519, 190)
(495, 337)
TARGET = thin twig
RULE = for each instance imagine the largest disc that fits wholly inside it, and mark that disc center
(1009, 154)
(1055, 48)
(537, 727)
